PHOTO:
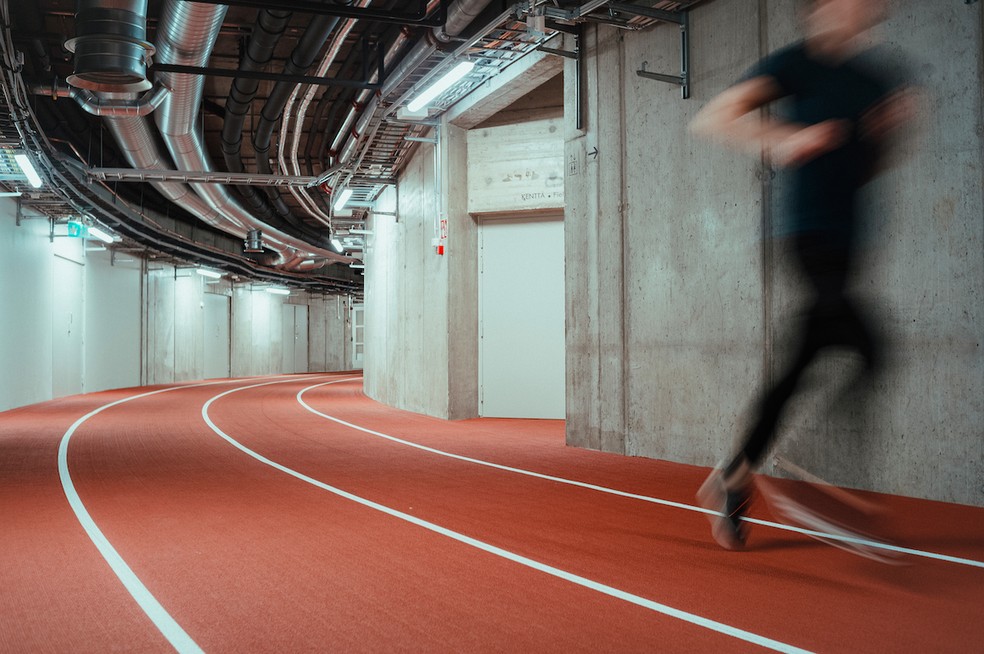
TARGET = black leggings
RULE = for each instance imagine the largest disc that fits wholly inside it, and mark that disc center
(832, 320)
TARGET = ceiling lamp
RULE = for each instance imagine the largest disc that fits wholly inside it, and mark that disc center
(441, 85)
(101, 234)
(27, 167)
(343, 197)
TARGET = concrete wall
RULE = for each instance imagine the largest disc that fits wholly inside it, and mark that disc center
(406, 359)
(421, 307)
(677, 307)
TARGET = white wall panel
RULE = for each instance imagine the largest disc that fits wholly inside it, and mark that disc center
(241, 346)
(287, 363)
(300, 336)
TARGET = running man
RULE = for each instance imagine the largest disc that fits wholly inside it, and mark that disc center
(842, 111)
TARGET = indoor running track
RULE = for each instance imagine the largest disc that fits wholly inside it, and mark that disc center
(293, 514)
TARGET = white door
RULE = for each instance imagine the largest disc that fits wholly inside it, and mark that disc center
(358, 335)
(295, 338)
(67, 321)
(521, 318)
(217, 338)
(300, 338)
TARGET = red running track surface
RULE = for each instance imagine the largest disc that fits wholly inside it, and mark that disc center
(248, 549)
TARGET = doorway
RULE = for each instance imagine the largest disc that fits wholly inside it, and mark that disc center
(521, 318)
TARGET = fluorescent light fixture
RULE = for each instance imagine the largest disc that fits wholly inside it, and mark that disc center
(357, 265)
(278, 290)
(103, 236)
(363, 232)
(28, 169)
(10, 194)
(212, 274)
(441, 85)
(343, 197)
(335, 243)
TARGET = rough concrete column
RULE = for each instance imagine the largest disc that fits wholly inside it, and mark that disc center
(594, 228)
(462, 271)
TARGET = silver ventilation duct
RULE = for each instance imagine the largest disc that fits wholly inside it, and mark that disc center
(99, 104)
(110, 46)
(186, 35)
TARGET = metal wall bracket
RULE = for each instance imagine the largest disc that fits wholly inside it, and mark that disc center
(682, 19)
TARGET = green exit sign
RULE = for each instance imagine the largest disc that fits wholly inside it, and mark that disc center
(76, 229)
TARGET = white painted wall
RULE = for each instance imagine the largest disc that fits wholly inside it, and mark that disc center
(26, 272)
(73, 321)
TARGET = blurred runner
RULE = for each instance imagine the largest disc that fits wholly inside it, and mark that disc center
(842, 108)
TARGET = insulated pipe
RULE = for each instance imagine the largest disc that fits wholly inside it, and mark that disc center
(460, 15)
(186, 35)
(300, 60)
(269, 27)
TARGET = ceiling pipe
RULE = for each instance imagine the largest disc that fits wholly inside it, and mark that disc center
(460, 15)
(100, 104)
(139, 147)
(269, 27)
(267, 31)
(300, 61)
(186, 34)
(294, 167)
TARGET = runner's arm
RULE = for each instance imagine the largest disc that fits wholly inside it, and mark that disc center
(732, 118)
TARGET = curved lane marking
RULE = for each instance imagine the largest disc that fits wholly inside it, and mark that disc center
(166, 624)
(645, 498)
(664, 609)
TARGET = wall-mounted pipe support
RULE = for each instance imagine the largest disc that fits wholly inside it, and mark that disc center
(683, 79)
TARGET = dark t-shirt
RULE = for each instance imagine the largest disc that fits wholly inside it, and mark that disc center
(823, 191)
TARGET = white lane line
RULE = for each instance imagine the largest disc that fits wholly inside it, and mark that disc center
(664, 609)
(645, 498)
(167, 625)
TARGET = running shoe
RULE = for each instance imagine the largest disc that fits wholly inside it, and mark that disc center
(726, 510)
